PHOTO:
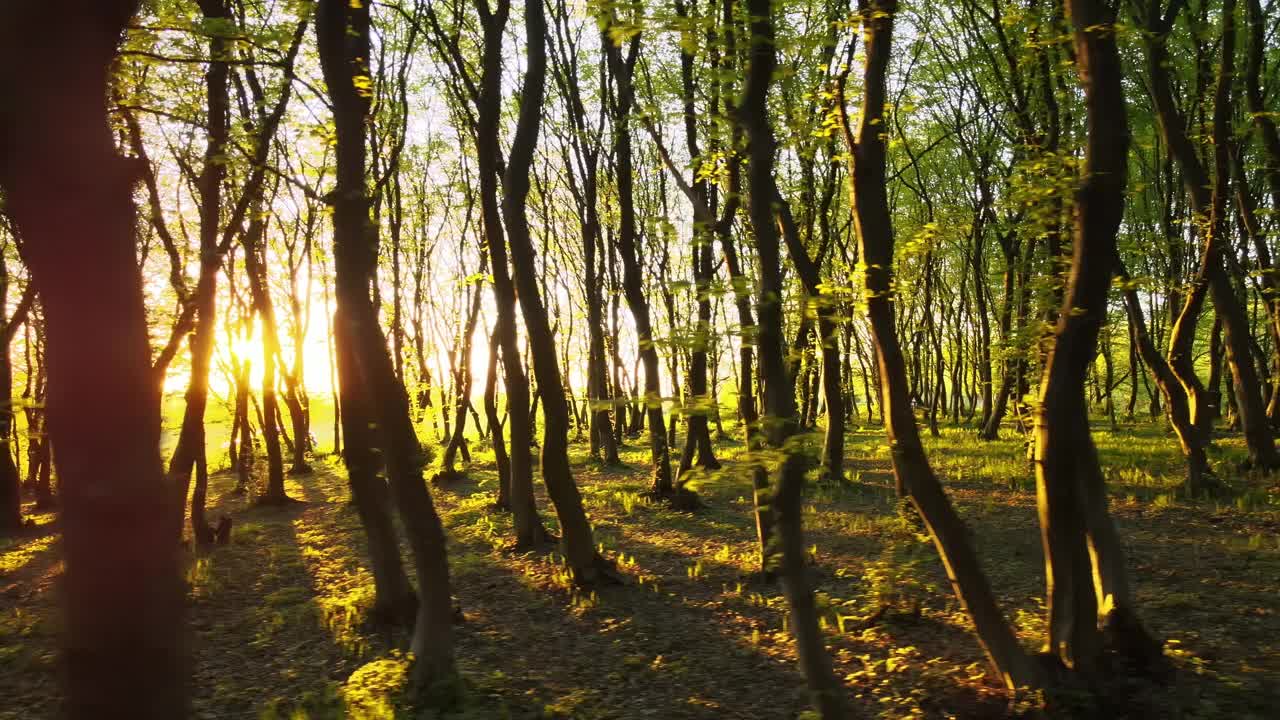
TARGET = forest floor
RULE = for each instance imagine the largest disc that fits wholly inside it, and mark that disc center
(277, 614)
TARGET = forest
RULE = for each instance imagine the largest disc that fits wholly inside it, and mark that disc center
(613, 359)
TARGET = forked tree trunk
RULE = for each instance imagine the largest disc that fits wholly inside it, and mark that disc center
(1199, 478)
(124, 649)
(528, 526)
(1208, 200)
(1076, 529)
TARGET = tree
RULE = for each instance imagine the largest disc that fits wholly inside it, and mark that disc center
(576, 541)
(621, 65)
(873, 222)
(1084, 561)
(10, 485)
(1208, 197)
(779, 403)
(124, 649)
(365, 368)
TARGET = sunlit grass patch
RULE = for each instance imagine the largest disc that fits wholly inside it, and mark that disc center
(375, 691)
(16, 552)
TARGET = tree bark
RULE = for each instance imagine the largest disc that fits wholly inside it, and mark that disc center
(576, 537)
(1066, 460)
(788, 487)
(621, 71)
(124, 649)
(10, 480)
(873, 222)
(190, 452)
(342, 31)
(1208, 201)
(528, 526)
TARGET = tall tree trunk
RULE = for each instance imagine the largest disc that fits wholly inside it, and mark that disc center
(621, 70)
(254, 254)
(500, 458)
(1208, 201)
(462, 380)
(1077, 532)
(697, 440)
(811, 279)
(342, 30)
(979, 267)
(10, 482)
(124, 647)
(824, 689)
(869, 199)
(576, 537)
(1264, 122)
(190, 452)
(528, 526)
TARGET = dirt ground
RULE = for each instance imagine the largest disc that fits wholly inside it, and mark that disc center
(278, 631)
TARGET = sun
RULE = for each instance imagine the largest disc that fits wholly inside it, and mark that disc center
(246, 346)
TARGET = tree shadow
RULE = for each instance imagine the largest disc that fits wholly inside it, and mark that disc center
(276, 615)
(629, 651)
(30, 566)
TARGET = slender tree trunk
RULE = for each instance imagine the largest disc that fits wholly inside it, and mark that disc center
(190, 452)
(576, 537)
(254, 245)
(811, 279)
(824, 689)
(1208, 201)
(869, 200)
(500, 458)
(978, 265)
(342, 30)
(528, 526)
(462, 383)
(621, 70)
(10, 483)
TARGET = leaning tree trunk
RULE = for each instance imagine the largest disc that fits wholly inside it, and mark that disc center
(1199, 478)
(1208, 201)
(124, 647)
(342, 30)
(873, 222)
